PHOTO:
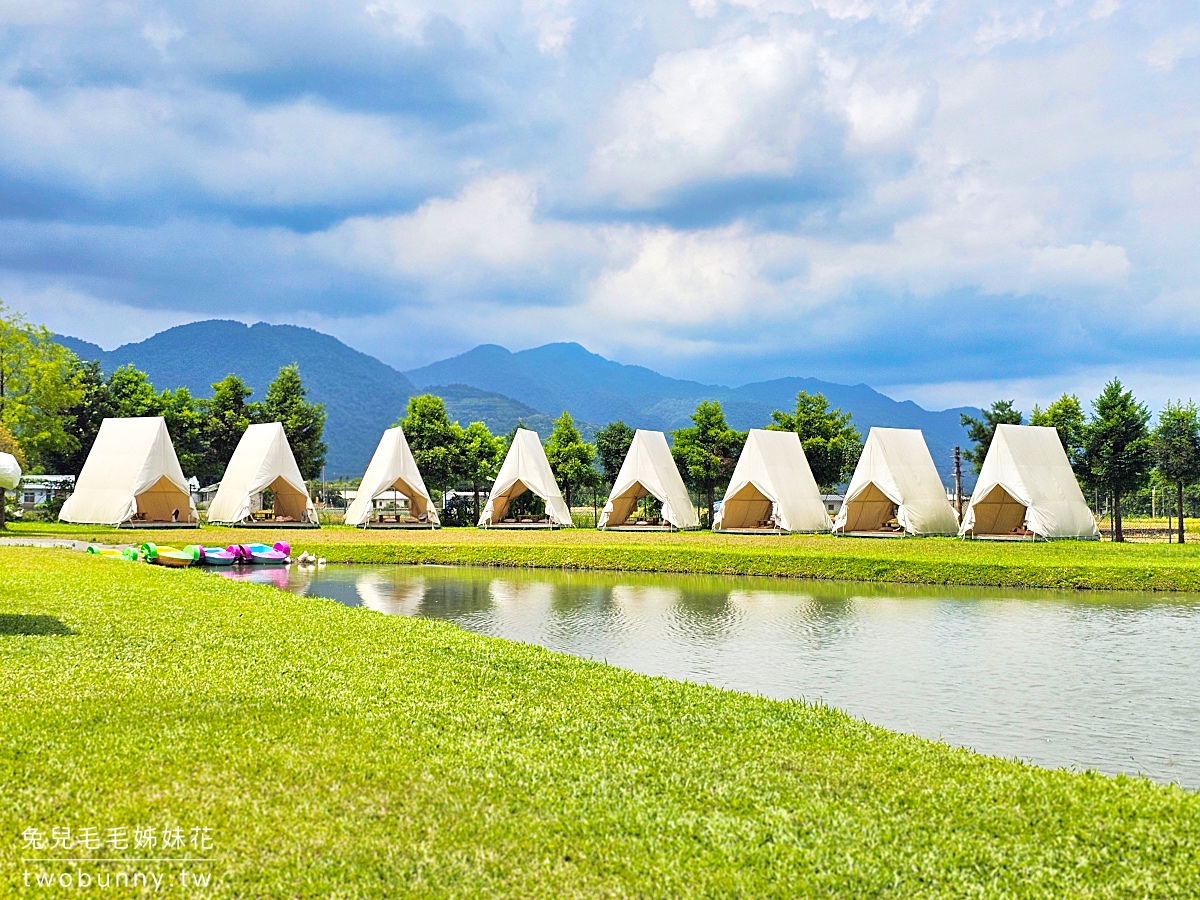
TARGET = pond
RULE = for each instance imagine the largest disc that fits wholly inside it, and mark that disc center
(1078, 680)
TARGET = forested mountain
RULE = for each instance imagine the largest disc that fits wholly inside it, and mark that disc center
(595, 389)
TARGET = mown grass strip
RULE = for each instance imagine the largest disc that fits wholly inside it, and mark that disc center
(339, 752)
(1061, 565)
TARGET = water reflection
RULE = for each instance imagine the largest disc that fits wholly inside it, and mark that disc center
(1106, 681)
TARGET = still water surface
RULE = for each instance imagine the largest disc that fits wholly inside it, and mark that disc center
(1104, 681)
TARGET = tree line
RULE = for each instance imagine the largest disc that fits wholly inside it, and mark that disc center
(1113, 450)
(52, 404)
(450, 456)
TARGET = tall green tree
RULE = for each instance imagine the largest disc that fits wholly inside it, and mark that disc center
(612, 446)
(185, 423)
(1118, 445)
(82, 419)
(481, 454)
(1066, 416)
(435, 441)
(571, 458)
(831, 442)
(10, 445)
(1176, 449)
(227, 414)
(707, 452)
(303, 422)
(38, 383)
(981, 431)
(130, 394)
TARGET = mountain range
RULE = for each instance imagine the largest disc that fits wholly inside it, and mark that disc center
(363, 395)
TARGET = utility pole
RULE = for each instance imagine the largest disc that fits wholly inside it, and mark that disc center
(958, 481)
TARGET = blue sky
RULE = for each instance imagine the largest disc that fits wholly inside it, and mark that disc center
(951, 201)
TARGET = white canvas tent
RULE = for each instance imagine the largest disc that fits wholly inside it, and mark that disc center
(1027, 485)
(10, 472)
(131, 475)
(262, 461)
(772, 487)
(392, 468)
(896, 477)
(10, 477)
(525, 468)
(649, 470)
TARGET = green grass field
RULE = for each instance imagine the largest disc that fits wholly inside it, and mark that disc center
(339, 752)
(1059, 565)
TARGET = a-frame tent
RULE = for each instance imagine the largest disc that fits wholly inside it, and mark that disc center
(649, 470)
(393, 468)
(525, 468)
(263, 461)
(772, 488)
(131, 477)
(1027, 489)
(896, 478)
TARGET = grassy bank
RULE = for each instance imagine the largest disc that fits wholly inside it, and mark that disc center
(1060, 565)
(338, 752)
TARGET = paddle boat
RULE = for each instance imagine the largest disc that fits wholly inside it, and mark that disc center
(261, 554)
(129, 553)
(170, 556)
(216, 556)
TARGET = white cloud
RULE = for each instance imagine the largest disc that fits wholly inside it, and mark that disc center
(681, 278)
(1169, 49)
(490, 228)
(409, 19)
(1153, 385)
(999, 30)
(880, 119)
(160, 35)
(1094, 263)
(739, 108)
(43, 12)
(67, 310)
(121, 140)
(551, 22)
(906, 13)
(480, 21)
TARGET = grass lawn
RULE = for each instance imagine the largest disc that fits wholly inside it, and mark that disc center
(1059, 565)
(339, 752)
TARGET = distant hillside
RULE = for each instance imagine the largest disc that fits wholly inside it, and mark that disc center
(362, 395)
(566, 376)
(466, 404)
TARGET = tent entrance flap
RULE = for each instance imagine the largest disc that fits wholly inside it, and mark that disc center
(163, 501)
(289, 502)
(626, 505)
(417, 504)
(870, 510)
(998, 513)
(748, 508)
(502, 502)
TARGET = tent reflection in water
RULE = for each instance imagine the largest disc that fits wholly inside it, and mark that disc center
(132, 478)
(649, 470)
(1027, 489)
(896, 481)
(525, 468)
(772, 489)
(393, 469)
(263, 461)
